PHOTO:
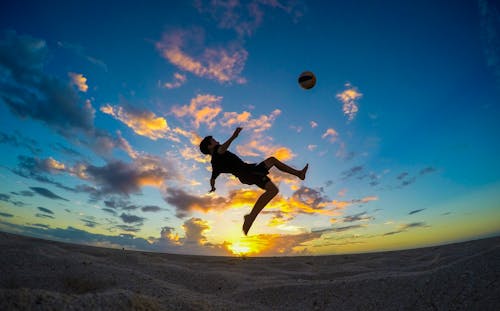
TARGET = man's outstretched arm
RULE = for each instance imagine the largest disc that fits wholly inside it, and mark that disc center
(223, 148)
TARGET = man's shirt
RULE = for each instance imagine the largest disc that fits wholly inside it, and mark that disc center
(227, 162)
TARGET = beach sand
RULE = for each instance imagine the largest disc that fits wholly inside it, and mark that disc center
(45, 275)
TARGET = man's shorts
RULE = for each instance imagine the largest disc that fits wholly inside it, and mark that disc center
(255, 174)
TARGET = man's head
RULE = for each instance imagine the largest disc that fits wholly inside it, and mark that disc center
(207, 145)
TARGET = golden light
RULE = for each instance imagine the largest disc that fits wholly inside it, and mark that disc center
(239, 249)
(283, 153)
(246, 246)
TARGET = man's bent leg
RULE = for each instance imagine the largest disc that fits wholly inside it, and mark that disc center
(272, 161)
(271, 192)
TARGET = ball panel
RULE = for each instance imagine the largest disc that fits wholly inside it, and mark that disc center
(307, 80)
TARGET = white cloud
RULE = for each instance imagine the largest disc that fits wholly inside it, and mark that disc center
(312, 147)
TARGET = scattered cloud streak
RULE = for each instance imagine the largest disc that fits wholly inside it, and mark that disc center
(340, 229)
(406, 227)
(129, 218)
(36, 169)
(89, 222)
(7, 199)
(47, 193)
(151, 208)
(223, 64)
(44, 216)
(80, 51)
(18, 140)
(45, 210)
(358, 217)
(245, 18)
(179, 80)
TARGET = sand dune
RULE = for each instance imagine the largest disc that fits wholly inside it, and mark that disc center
(45, 275)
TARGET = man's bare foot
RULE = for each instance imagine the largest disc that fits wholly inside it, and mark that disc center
(247, 224)
(302, 175)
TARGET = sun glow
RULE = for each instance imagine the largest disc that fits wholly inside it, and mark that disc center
(244, 246)
(239, 249)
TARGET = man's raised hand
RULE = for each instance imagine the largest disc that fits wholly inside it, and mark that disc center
(237, 131)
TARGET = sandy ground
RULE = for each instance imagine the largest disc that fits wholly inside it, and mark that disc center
(44, 275)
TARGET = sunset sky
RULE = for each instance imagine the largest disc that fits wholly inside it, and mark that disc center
(103, 105)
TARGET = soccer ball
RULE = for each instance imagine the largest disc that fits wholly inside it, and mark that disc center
(307, 80)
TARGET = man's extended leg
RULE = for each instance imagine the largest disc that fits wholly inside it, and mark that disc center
(272, 161)
(271, 192)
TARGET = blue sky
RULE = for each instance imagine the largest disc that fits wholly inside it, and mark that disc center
(102, 108)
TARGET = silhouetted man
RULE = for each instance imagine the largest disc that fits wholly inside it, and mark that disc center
(224, 161)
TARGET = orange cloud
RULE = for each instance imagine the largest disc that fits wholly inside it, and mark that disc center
(79, 170)
(190, 153)
(331, 135)
(54, 165)
(194, 138)
(232, 119)
(143, 123)
(369, 198)
(244, 119)
(179, 80)
(283, 153)
(259, 148)
(340, 204)
(202, 109)
(79, 80)
(349, 98)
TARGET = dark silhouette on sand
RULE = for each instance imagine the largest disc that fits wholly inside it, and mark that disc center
(224, 161)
